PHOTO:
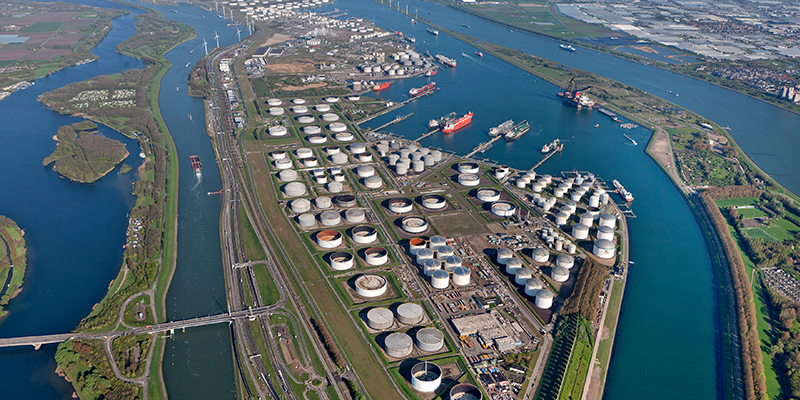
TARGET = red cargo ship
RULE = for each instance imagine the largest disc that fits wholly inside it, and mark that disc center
(457, 124)
(414, 92)
(381, 86)
(196, 166)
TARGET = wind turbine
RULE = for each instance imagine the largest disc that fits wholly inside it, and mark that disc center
(239, 34)
(216, 37)
(205, 45)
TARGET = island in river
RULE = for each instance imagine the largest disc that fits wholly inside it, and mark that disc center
(12, 261)
(83, 155)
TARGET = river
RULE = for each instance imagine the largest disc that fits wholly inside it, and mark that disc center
(669, 314)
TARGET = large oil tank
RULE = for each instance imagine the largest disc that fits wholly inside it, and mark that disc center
(278, 155)
(373, 182)
(364, 234)
(424, 254)
(312, 130)
(532, 286)
(287, 175)
(322, 108)
(436, 242)
(294, 189)
(305, 119)
(587, 219)
(452, 262)
(430, 265)
(343, 136)
(275, 111)
(335, 187)
(604, 248)
(337, 127)
(442, 252)
(561, 218)
(400, 205)
(488, 195)
(465, 391)
(414, 224)
(329, 239)
(468, 167)
(541, 255)
(284, 163)
(440, 279)
(418, 166)
(380, 318)
(316, 139)
(369, 285)
(430, 339)
(331, 150)
(503, 254)
(339, 159)
(605, 232)
(323, 202)
(565, 261)
(461, 276)
(608, 220)
(469, 180)
(299, 101)
(522, 275)
(300, 206)
(357, 148)
(330, 117)
(415, 245)
(580, 231)
(376, 256)
(355, 216)
(398, 345)
(410, 313)
(277, 130)
(544, 298)
(512, 265)
(330, 218)
(274, 102)
(299, 109)
(306, 220)
(503, 209)
(559, 274)
(433, 201)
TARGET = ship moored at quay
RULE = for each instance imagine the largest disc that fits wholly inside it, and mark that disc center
(454, 125)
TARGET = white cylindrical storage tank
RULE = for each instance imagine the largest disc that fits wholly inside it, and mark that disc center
(428, 160)
(503, 209)
(343, 136)
(414, 224)
(278, 130)
(376, 256)
(424, 254)
(468, 167)
(400, 205)
(405, 153)
(541, 255)
(305, 119)
(440, 279)
(561, 218)
(313, 162)
(418, 166)
(571, 248)
(364, 234)
(329, 239)
(274, 102)
(401, 168)
(284, 163)
(469, 180)
(436, 242)
(488, 195)
(355, 215)
(306, 220)
(341, 261)
(559, 192)
(520, 183)
(442, 252)
(364, 157)
(299, 101)
(278, 155)
(317, 139)
(300, 206)
(410, 313)
(433, 201)
(559, 245)
(594, 201)
(323, 202)
(287, 175)
(275, 111)
(565, 261)
(369, 285)
(576, 196)
(357, 148)
(608, 220)
(430, 265)
(312, 129)
(415, 245)
(365, 171)
(604, 198)
(451, 263)
(465, 391)
(571, 207)
(304, 152)
(339, 158)
(335, 187)
(580, 231)
(587, 219)
(299, 109)
(513, 265)
(604, 248)
(331, 150)
(380, 318)
(331, 99)
(537, 187)
(559, 274)
(330, 218)
(501, 172)
(398, 345)
(605, 232)
(373, 182)
(503, 255)
(429, 340)
(294, 189)
(323, 108)
(338, 178)
(544, 298)
(461, 276)
(437, 155)
(330, 117)
(532, 286)
(522, 275)
(337, 127)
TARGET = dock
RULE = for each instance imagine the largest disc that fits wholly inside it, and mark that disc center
(547, 157)
(483, 145)
(394, 121)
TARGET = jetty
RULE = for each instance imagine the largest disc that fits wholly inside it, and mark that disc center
(484, 145)
(547, 157)
(394, 121)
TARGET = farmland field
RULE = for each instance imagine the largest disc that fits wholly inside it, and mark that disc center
(44, 27)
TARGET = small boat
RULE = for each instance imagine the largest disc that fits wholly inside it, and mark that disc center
(433, 31)
(568, 47)
(465, 25)
(177, 89)
(381, 86)
(631, 139)
(432, 72)
(597, 125)
(413, 21)
(187, 64)
(479, 54)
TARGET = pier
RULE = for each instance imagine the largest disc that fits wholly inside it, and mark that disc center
(547, 157)
(399, 118)
(427, 134)
(484, 145)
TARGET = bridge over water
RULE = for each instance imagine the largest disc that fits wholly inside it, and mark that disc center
(38, 340)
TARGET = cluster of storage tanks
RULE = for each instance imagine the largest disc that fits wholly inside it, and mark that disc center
(557, 241)
(534, 287)
(400, 345)
(381, 318)
(439, 261)
(271, 9)
(407, 159)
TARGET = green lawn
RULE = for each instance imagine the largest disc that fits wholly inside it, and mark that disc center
(252, 247)
(777, 232)
(787, 225)
(749, 213)
(745, 201)
(43, 27)
(269, 292)
(757, 233)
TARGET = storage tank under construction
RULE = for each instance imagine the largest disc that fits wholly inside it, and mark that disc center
(465, 391)
(429, 339)
(376, 256)
(488, 195)
(369, 285)
(410, 313)
(364, 234)
(433, 201)
(426, 377)
(398, 345)
(380, 318)
(440, 279)
(461, 276)
(329, 239)
(544, 298)
(341, 261)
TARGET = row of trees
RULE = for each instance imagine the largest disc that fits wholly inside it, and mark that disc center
(753, 370)
(786, 349)
(330, 345)
(733, 192)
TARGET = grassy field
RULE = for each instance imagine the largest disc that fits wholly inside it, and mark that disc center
(40, 27)
(746, 201)
(750, 213)
(252, 247)
(266, 285)
(578, 366)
